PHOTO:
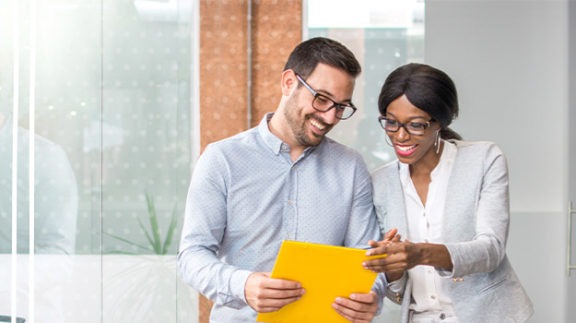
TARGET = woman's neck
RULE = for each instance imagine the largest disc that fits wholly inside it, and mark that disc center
(426, 165)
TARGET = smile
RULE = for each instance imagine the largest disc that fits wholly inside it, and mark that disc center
(317, 124)
(405, 150)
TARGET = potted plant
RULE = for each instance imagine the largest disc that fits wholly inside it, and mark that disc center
(145, 287)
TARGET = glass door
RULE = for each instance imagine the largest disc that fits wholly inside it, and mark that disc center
(96, 115)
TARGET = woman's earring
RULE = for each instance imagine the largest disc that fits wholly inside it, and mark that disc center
(388, 141)
(437, 142)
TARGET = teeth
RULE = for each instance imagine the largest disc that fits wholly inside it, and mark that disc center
(405, 148)
(317, 124)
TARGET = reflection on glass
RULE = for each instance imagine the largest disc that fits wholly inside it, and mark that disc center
(55, 189)
(113, 131)
(55, 205)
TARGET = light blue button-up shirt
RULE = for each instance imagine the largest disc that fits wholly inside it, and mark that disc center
(246, 196)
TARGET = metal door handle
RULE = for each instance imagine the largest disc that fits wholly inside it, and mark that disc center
(570, 266)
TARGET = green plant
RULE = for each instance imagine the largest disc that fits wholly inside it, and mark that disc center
(156, 244)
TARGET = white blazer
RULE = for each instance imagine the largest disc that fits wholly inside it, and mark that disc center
(482, 284)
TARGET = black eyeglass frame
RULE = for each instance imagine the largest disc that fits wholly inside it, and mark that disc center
(340, 108)
(382, 121)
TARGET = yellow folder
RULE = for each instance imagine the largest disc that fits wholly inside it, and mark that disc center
(325, 272)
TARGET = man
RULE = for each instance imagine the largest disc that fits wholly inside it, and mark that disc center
(283, 179)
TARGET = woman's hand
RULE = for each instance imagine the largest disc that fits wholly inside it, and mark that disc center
(377, 246)
(400, 256)
(381, 248)
(404, 255)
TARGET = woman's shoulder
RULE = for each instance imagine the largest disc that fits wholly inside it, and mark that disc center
(479, 155)
(387, 168)
(476, 147)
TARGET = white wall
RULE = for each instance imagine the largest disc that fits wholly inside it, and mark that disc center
(509, 60)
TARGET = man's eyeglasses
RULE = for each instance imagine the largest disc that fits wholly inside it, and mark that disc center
(413, 128)
(323, 103)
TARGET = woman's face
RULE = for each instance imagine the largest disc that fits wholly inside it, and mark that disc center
(412, 149)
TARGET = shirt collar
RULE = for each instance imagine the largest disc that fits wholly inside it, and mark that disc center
(274, 143)
(404, 173)
(446, 159)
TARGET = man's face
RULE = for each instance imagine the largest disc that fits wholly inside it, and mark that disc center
(309, 126)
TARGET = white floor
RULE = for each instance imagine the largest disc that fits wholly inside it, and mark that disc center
(98, 289)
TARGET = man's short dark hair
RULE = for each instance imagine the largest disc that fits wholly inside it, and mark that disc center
(306, 56)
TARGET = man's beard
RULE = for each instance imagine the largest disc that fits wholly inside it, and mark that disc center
(299, 127)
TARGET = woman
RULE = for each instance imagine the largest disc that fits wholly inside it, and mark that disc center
(449, 199)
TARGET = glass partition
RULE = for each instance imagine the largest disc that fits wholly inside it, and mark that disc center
(383, 34)
(95, 155)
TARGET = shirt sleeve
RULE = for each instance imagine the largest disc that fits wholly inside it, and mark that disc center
(202, 233)
(363, 223)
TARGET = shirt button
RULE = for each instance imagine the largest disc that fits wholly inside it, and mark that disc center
(433, 297)
(442, 316)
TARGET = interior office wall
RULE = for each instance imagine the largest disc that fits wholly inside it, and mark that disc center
(509, 60)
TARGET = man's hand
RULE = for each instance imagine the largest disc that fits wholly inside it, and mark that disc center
(359, 308)
(265, 294)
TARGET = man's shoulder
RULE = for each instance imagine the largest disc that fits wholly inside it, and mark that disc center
(334, 147)
(245, 137)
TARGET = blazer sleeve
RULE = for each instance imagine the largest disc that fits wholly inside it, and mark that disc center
(478, 211)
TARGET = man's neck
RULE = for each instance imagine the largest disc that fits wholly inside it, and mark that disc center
(277, 129)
